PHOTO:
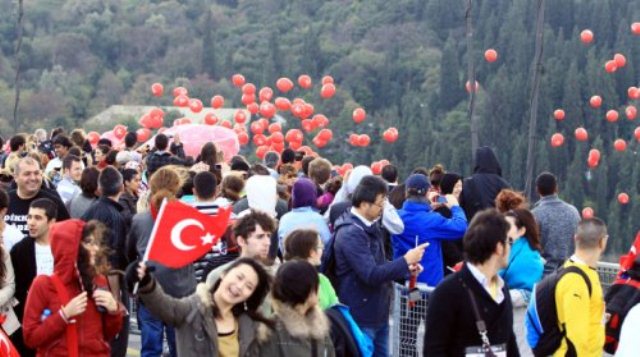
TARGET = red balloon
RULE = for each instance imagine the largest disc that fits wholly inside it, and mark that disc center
(297, 109)
(283, 104)
(253, 108)
(636, 133)
(558, 114)
(227, 124)
(279, 147)
(390, 135)
(376, 168)
(195, 105)
(243, 138)
(327, 91)
(587, 213)
(320, 121)
(307, 125)
(594, 153)
(633, 93)
(635, 28)
(259, 139)
(327, 79)
(359, 115)
(304, 81)
(364, 140)
(294, 135)
(620, 145)
(384, 162)
(308, 110)
(217, 101)
(612, 116)
(237, 80)
(145, 121)
(256, 128)
(592, 162)
(623, 198)
(249, 88)
(267, 109)
(353, 139)
(210, 119)
(275, 128)
(248, 99)
(557, 140)
(581, 134)
(277, 137)
(595, 101)
(295, 145)
(265, 94)
(93, 137)
(610, 66)
(240, 116)
(467, 86)
(120, 131)
(178, 91)
(325, 134)
(586, 36)
(157, 89)
(261, 151)
(143, 134)
(181, 101)
(318, 142)
(631, 112)
(620, 60)
(491, 55)
(284, 84)
(264, 122)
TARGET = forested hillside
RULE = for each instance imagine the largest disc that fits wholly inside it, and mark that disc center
(404, 61)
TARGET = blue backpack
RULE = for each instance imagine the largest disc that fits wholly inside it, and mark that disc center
(544, 335)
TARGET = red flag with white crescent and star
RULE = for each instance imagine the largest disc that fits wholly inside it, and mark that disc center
(182, 234)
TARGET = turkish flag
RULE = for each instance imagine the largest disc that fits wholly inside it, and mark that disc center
(182, 234)
(627, 260)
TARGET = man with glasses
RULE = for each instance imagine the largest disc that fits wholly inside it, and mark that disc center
(363, 274)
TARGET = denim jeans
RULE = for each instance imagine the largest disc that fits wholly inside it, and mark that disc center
(380, 337)
(151, 331)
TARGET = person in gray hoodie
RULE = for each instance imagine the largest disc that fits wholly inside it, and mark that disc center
(557, 220)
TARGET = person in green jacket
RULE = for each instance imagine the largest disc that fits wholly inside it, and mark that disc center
(305, 244)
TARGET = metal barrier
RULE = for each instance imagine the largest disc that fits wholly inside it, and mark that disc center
(407, 325)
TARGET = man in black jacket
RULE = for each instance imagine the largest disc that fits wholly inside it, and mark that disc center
(162, 157)
(480, 190)
(32, 256)
(475, 293)
(108, 211)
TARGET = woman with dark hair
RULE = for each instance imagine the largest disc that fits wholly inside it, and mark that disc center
(301, 328)
(73, 312)
(232, 187)
(89, 186)
(305, 244)
(217, 320)
(129, 198)
(100, 154)
(524, 268)
(209, 156)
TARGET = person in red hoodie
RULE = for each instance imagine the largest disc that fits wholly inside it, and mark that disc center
(73, 313)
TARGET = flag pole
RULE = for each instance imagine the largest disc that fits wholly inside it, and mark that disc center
(145, 258)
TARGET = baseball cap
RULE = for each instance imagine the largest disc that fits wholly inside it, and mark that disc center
(417, 184)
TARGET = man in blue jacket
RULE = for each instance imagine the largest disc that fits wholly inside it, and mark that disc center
(422, 225)
(363, 274)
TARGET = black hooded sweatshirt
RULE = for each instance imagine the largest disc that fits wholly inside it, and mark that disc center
(480, 190)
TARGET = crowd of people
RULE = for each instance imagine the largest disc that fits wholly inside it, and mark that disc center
(307, 264)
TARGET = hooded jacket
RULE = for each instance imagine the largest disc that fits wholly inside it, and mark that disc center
(294, 334)
(480, 190)
(363, 273)
(48, 334)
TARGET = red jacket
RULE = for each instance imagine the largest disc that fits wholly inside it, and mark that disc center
(95, 329)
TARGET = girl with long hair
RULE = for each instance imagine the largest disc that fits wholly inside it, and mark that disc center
(73, 312)
(220, 318)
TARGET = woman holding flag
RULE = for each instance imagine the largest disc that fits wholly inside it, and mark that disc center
(220, 319)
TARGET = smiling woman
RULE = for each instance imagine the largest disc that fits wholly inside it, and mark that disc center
(220, 318)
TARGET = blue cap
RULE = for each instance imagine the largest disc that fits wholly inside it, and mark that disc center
(417, 184)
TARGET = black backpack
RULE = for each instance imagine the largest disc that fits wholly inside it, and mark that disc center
(543, 333)
(623, 294)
